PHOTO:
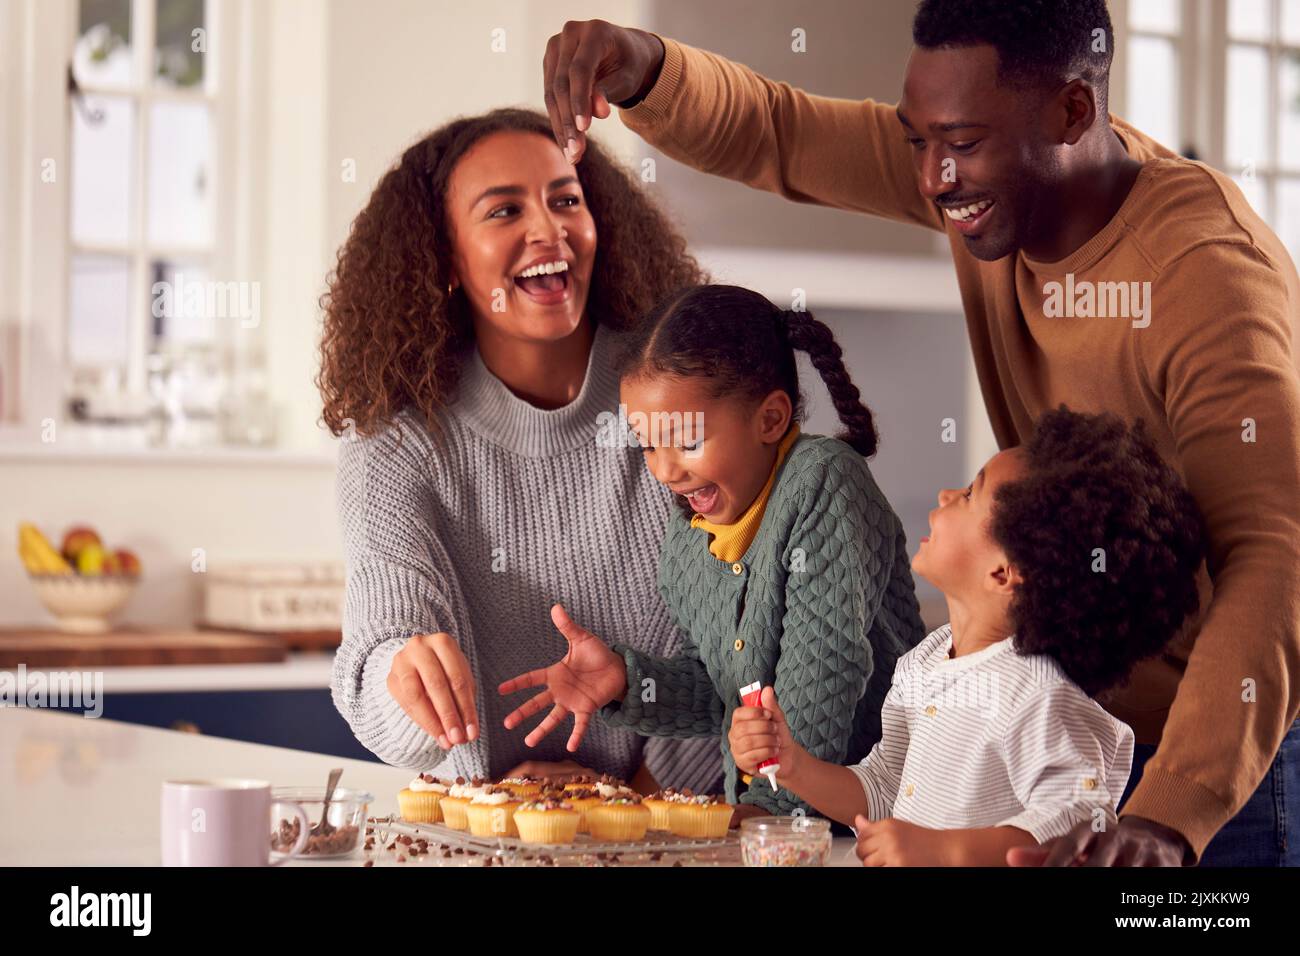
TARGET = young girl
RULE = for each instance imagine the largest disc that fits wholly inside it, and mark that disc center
(786, 566)
(1064, 563)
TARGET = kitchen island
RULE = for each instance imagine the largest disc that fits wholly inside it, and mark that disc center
(83, 791)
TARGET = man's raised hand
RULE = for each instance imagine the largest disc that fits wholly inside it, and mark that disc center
(588, 65)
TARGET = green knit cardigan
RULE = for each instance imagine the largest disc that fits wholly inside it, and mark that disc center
(820, 606)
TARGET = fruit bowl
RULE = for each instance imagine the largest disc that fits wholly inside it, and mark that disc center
(83, 605)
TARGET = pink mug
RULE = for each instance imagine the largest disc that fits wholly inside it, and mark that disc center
(223, 822)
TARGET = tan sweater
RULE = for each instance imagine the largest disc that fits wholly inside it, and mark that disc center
(1217, 351)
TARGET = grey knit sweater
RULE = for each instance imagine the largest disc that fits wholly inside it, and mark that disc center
(478, 534)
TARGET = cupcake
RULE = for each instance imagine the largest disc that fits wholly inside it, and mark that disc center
(613, 788)
(523, 786)
(581, 799)
(491, 813)
(418, 802)
(618, 818)
(701, 817)
(456, 802)
(658, 803)
(594, 780)
(547, 821)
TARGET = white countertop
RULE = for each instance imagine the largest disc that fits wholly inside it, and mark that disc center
(303, 670)
(78, 791)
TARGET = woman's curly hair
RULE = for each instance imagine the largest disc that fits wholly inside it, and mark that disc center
(1094, 482)
(394, 339)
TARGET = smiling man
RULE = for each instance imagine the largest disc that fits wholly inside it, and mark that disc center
(1096, 268)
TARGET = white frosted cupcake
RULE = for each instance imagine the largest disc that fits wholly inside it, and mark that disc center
(547, 820)
(418, 802)
(701, 816)
(658, 803)
(618, 818)
(522, 786)
(457, 800)
(609, 790)
(491, 812)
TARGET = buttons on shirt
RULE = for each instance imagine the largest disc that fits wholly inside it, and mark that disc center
(909, 790)
(737, 568)
(1090, 783)
(739, 645)
(931, 710)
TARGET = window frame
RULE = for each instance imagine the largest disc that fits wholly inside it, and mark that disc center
(1202, 51)
(1270, 171)
(42, 40)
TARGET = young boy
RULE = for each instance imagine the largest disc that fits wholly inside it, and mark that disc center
(1064, 563)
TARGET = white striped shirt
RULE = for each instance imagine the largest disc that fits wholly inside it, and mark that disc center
(991, 739)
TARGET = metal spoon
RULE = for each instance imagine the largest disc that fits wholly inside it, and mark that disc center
(323, 827)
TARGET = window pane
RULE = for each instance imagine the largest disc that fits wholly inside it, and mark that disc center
(1161, 15)
(102, 55)
(98, 330)
(1249, 19)
(1288, 215)
(183, 303)
(1246, 124)
(103, 163)
(180, 207)
(1153, 89)
(1288, 108)
(182, 40)
(1291, 21)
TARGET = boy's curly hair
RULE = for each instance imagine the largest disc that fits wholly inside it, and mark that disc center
(394, 339)
(1095, 483)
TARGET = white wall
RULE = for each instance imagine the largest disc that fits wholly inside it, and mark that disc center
(399, 68)
(235, 511)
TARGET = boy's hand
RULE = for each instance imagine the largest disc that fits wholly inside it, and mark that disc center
(760, 733)
(892, 842)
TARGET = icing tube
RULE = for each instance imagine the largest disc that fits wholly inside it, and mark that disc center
(751, 696)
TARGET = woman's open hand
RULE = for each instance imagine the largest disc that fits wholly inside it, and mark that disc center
(588, 677)
(430, 679)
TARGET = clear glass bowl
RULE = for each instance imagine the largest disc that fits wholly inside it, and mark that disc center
(345, 824)
(785, 841)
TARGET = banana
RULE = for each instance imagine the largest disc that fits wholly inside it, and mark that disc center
(30, 561)
(39, 556)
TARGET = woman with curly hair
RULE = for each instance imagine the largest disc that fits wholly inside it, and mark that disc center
(465, 364)
(1064, 563)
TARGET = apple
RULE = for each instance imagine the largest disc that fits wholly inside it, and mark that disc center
(90, 560)
(112, 563)
(130, 564)
(77, 539)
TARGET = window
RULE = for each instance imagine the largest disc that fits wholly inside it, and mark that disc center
(143, 195)
(1261, 136)
(1219, 80)
(1154, 69)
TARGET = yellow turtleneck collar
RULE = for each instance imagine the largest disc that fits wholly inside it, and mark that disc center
(731, 541)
